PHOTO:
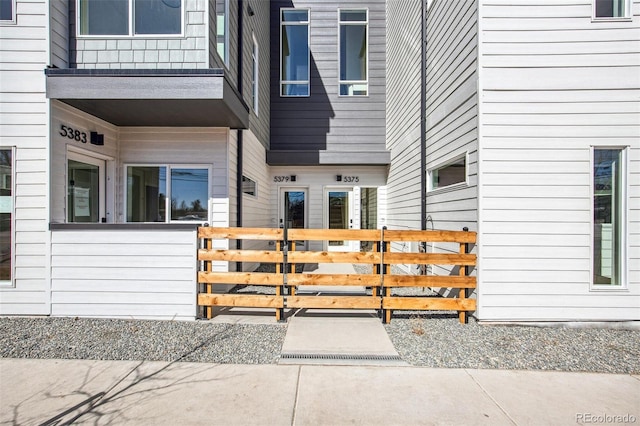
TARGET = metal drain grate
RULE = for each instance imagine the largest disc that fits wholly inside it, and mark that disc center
(349, 357)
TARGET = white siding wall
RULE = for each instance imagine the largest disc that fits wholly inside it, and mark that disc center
(124, 274)
(24, 125)
(232, 168)
(59, 29)
(452, 113)
(255, 209)
(554, 83)
(403, 113)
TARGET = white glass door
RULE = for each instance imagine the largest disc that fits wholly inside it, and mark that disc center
(339, 215)
(85, 189)
(293, 211)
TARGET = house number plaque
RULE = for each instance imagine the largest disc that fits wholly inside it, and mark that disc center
(73, 134)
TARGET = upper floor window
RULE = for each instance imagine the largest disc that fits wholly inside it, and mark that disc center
(353, 52)
(294, 52)
(222, 33)
(611, 9)
(129, 17)
(7, 9)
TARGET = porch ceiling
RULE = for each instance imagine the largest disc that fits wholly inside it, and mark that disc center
(167, 98)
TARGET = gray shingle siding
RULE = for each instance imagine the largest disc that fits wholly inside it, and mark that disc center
(127, 52)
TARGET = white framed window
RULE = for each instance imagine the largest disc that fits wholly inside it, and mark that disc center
(353, 58)
(608, 189)
(450, 174)
(130, 18)
(167, 193)
(86, 193)
(294, 52)
(249, 186)
(7, 216)
(7, 11)
(222, 30)
(255, 76)
(611, 9)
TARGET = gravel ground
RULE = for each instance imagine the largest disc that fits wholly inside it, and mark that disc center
(435, 340)
(110, 339)
(439, 340)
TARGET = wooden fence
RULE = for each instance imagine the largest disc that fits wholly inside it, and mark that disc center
(284, 279)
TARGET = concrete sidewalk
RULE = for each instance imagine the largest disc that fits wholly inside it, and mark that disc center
(36, 392)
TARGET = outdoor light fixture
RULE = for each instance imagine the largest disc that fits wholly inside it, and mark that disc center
(338, 178)
(97, 138)
(293, 178)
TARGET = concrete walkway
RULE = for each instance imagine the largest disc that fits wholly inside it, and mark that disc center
(34, 392)
(333, 336)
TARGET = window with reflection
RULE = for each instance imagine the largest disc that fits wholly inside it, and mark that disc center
(353, 53)
(6, 214)
(611, 9)
(608, 216)
(113, 17)
(222, 33)
(6, 10)
(167, 194)
(449, 174)
(294, 52)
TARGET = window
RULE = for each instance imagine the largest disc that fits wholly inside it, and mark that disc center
(353, 52)
(222, 35)
(294, 52)
(248, 186)
(611, 9)
(130, 17)
(167, 193)
(6, 214)
(7, 8)
(254, 76)
(451, 173)
(85, 189)
(608, 216)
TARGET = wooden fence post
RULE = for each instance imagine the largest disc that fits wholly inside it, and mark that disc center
(279, 311)
(462, 293)
(209, 268)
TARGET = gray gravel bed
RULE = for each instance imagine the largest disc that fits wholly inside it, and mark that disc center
(435, 340)
(111, 339)
(440, 341)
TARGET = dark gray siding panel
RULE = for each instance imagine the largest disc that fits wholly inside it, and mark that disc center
(325, 122)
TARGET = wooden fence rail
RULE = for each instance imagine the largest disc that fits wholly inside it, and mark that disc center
(286, 280)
